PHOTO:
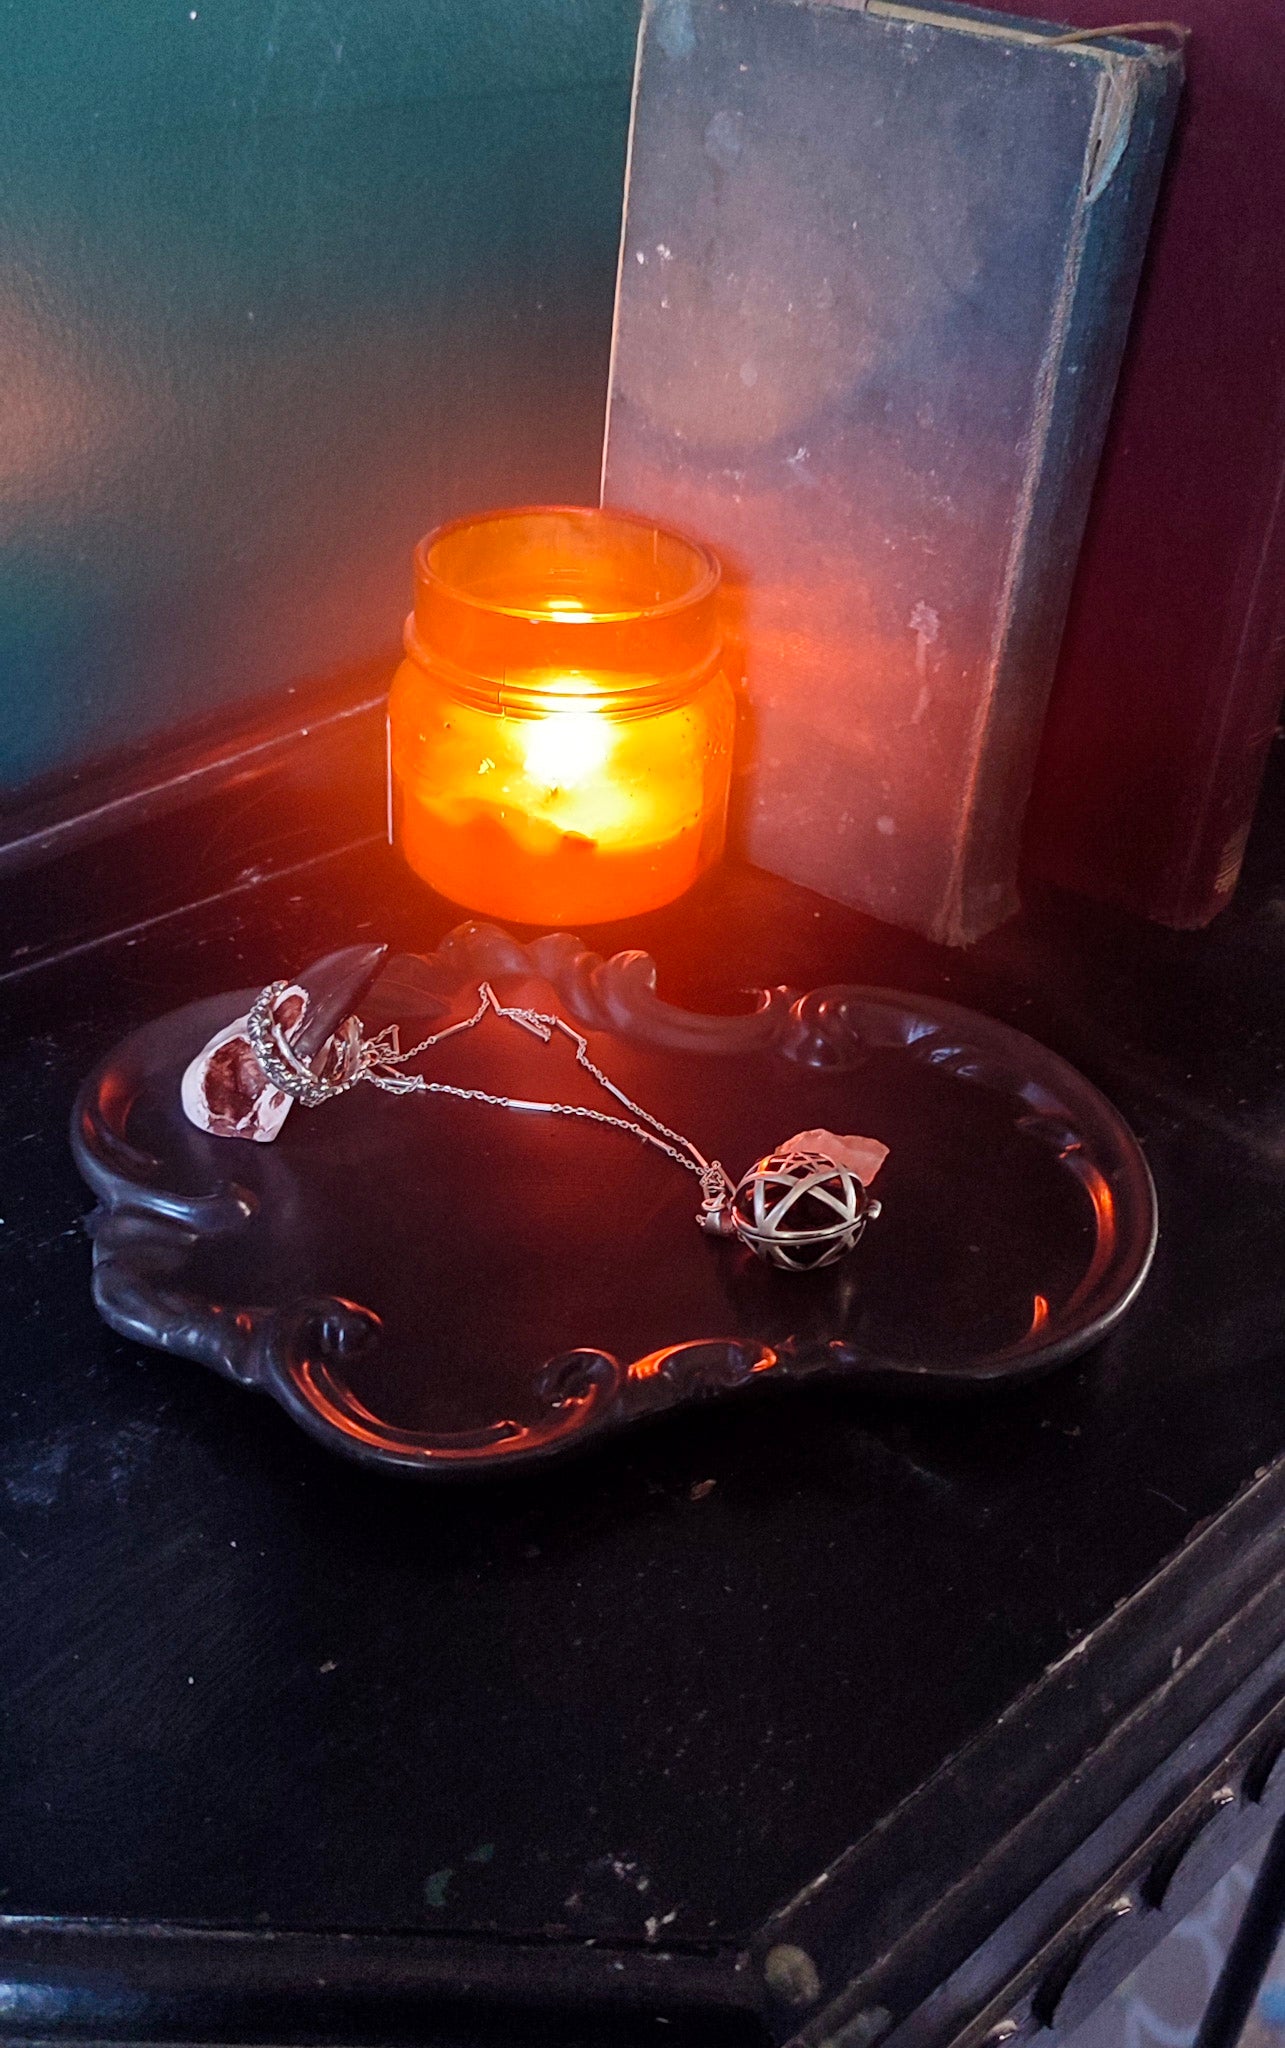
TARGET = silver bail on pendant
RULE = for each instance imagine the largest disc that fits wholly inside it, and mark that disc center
(715, 1214)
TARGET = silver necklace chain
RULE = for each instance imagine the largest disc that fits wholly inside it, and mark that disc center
(381, 1057)
(350, 1056)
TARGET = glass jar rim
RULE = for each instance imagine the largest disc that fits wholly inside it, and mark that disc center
(703, 585)
(625, 696)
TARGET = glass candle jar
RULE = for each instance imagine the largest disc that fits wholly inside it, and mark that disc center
(561, 729)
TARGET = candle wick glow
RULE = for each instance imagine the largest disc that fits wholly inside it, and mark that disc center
(562, 750)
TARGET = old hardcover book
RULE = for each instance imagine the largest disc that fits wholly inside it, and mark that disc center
(875, 277)
(1172, 667)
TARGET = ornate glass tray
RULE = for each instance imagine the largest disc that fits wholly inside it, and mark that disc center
(440, 1287)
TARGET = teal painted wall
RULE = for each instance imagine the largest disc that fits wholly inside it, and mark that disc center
(282, 283)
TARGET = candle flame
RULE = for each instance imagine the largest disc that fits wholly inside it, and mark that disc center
(563, 750)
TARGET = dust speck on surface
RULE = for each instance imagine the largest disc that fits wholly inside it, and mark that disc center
(675, 29)
(35, 1474)
(791, 1974)
(723, 138)
(925, 623)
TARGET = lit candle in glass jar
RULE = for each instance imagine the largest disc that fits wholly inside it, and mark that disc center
(561, 729)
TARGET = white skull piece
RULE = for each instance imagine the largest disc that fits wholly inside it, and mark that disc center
(226, 1092)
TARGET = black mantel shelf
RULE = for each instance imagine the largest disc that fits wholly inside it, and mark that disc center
(914, 1726)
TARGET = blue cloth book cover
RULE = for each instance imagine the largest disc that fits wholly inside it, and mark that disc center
(876, 272)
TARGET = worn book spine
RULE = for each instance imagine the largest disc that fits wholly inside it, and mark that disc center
(1122, 170)
(875, 280)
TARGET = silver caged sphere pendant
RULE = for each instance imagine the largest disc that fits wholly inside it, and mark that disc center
(801, 1210)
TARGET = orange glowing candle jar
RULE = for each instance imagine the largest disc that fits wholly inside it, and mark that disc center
(561, 729)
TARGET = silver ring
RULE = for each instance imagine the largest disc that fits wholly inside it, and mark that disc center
(278, 1058)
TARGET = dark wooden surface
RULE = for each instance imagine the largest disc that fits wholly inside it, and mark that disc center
(974, 1661)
